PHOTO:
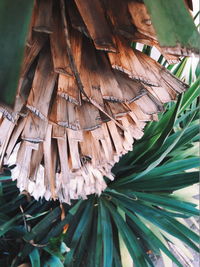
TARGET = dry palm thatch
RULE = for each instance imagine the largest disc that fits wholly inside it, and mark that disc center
(83, 97)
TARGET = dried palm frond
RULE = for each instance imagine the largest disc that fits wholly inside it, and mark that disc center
(83, 97)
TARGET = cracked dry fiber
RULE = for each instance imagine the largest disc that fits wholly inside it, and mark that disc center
(84, 96)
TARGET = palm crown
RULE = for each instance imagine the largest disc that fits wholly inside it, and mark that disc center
(84, 96)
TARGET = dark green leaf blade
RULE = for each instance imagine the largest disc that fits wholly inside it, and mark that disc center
(107, 236)
(129, 239)
(14, 21)
(167, 18)
(35, 258)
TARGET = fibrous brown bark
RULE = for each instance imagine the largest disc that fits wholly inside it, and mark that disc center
(84, 95)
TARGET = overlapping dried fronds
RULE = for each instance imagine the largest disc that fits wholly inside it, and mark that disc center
(84, 95)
